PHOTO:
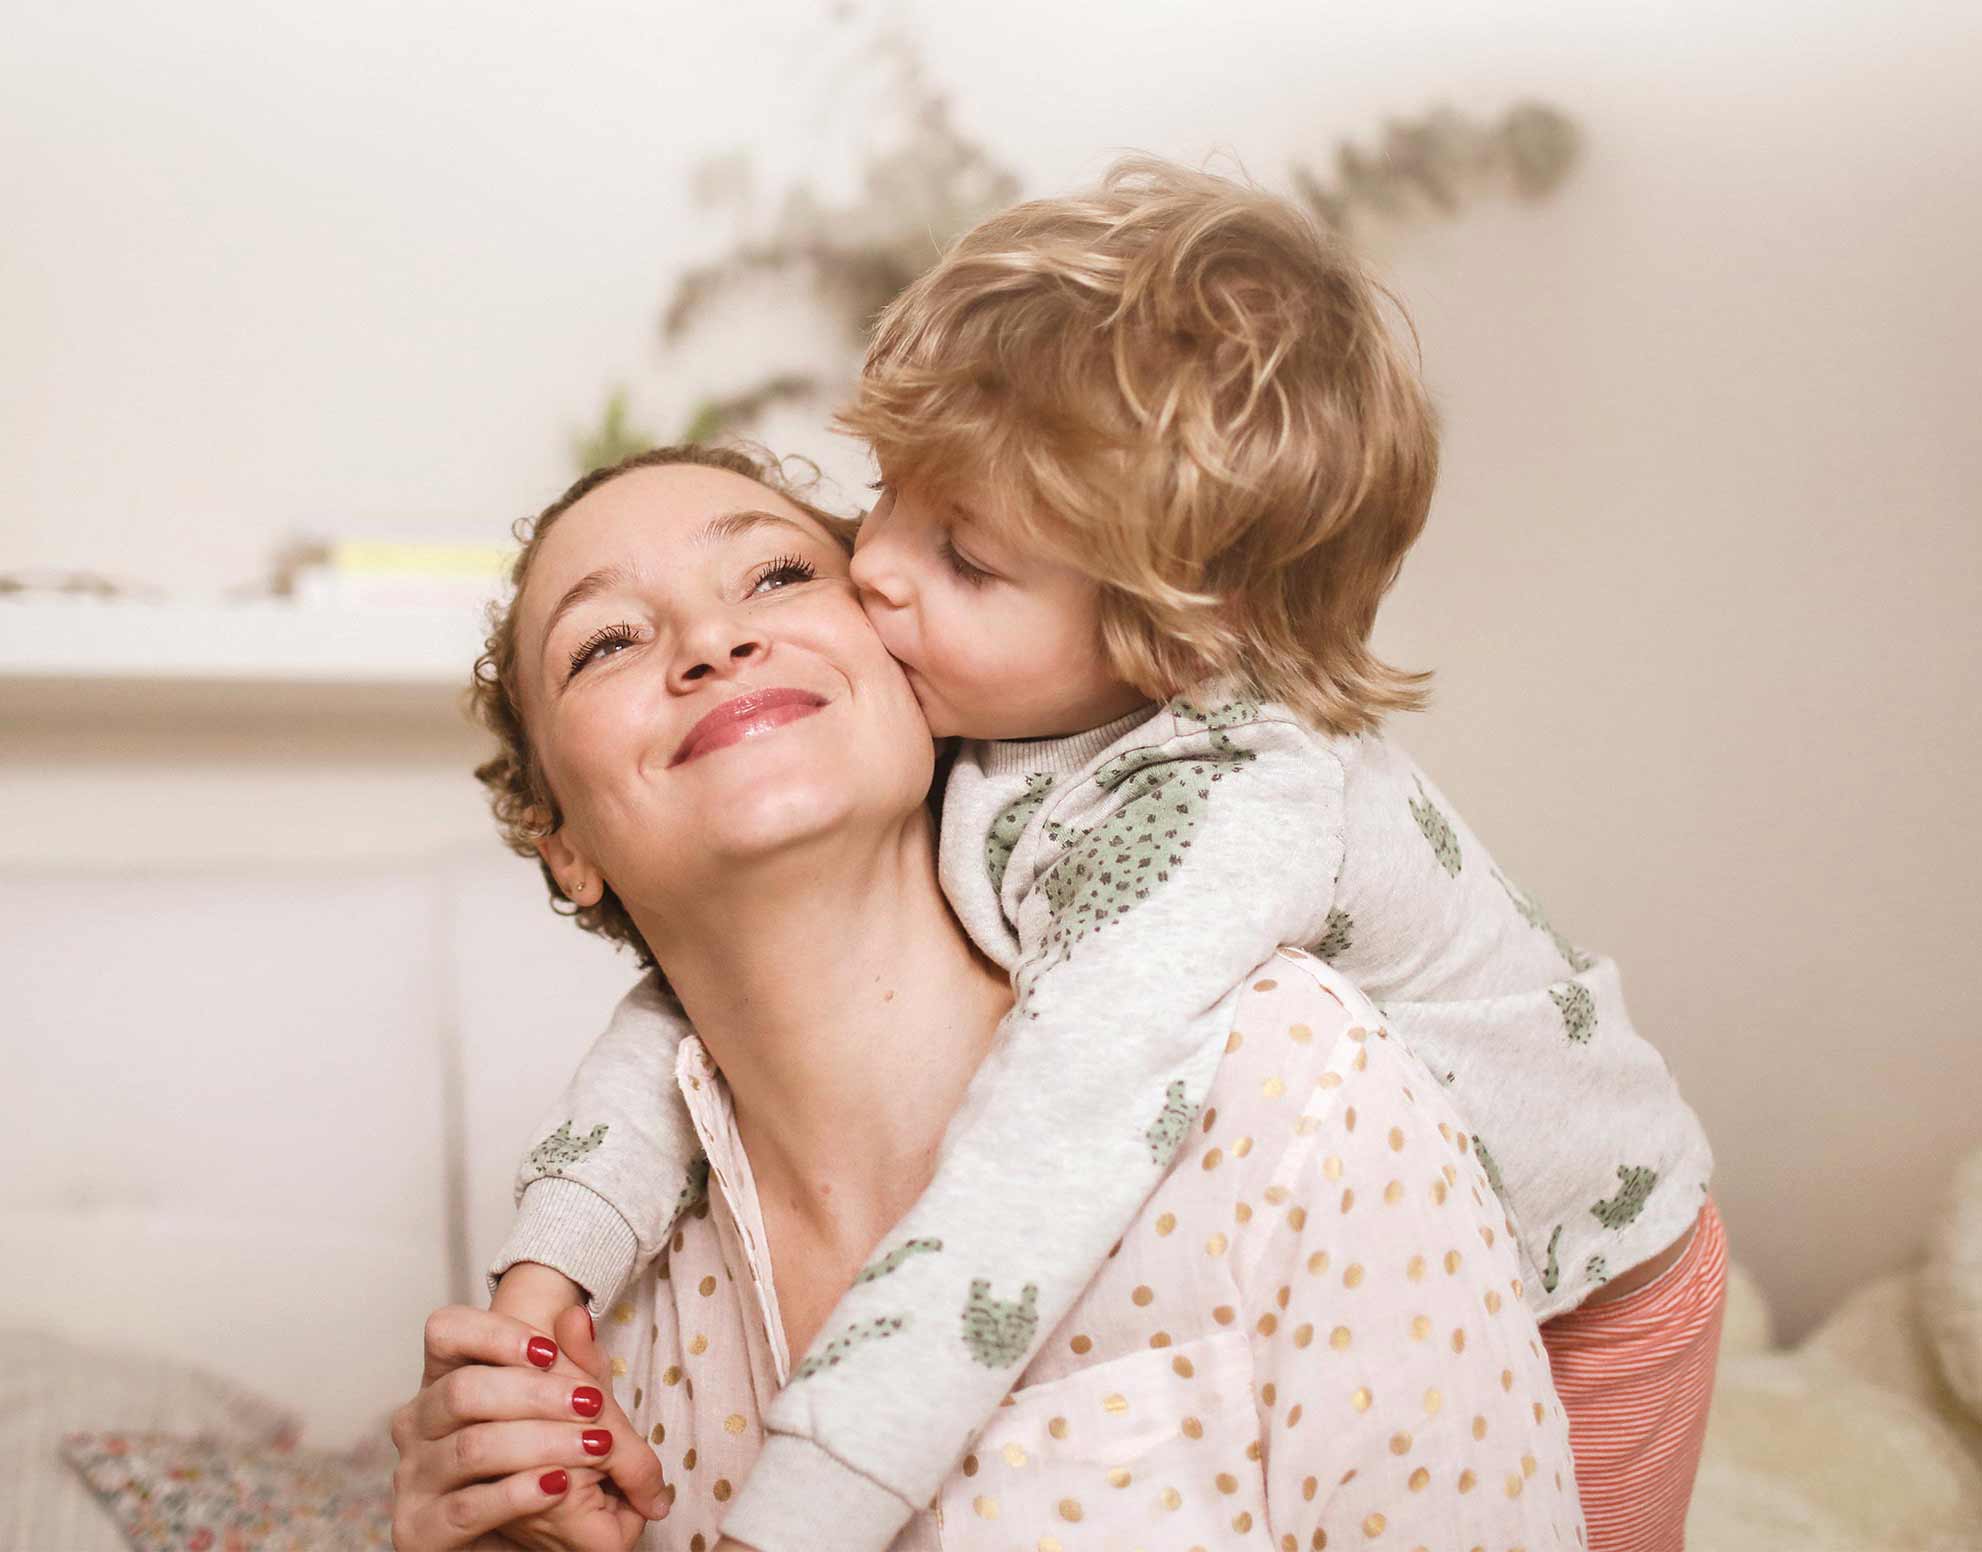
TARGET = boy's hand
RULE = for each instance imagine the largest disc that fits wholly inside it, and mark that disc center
(548, 1301)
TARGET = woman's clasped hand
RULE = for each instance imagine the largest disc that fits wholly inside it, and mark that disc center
(517, 1433)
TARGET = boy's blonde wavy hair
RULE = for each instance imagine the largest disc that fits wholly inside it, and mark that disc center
(1193, 395)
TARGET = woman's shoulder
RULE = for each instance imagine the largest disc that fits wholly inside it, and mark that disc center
(1310, 1057)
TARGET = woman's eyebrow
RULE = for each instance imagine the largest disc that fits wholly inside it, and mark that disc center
(588, 586)
(733, 525)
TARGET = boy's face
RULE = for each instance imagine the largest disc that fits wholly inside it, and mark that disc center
(997, 643)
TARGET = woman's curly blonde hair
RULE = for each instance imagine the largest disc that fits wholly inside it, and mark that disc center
(526, 811)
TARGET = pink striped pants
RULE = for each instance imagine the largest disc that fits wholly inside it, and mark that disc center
(1635, 1377)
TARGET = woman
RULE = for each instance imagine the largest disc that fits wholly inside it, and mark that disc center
(1313, 1331)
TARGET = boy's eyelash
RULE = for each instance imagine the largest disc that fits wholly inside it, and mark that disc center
(966, 573)
(624, 634)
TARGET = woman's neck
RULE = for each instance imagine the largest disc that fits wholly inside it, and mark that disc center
(848, 1011)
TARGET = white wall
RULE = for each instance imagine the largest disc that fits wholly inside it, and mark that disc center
(1701, 581)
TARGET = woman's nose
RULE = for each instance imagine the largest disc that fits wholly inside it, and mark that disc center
(714, 648)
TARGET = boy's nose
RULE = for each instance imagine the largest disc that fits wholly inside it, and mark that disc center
(873, 572)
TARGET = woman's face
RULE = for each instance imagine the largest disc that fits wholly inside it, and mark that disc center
(702, 686)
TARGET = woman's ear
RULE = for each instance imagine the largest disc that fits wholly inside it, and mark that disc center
(575, 873)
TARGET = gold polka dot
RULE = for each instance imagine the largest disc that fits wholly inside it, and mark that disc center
(1339, 1339)
(721, 1490)
(1373, 1525)
(1120, 1477)
(1362, 1060)
(1433, 1400)
(733, 1423)
(688, 1461)
(673, 1375)
(1415, 1269)
(1506, 1379)
(1014, 1456)
(1268, 1323)
(1332, 1167)
(1209, 1117)
(658, 1434)
(1538, 1411)
(1513, 1484)
(1264, 986)
(706, 1287)
(1276, 1196)
(1242, 1211)
(1183, 1366)
(1400, 1444)
(1143, 1294)
(1527, 1465)
(1318, 1263)
(1242, 1147)
(698, 1542)
(1466, 1481)
(1300, 1034)
(1191, 1428)
(1303, 1334)
(1349, 1118)
(970, 1465)
(1487, 1235)
(1242, 1522)
(1493, 1301)
(1213, 1158)
(1320, 1540)
(1451, 1175)
(639, 1395)
(1516, 1286)
(1360, 1398)
(1159, 1339)
(1215, 1246)
(1233, 1042)
(1273, 1087)
(1082, 1344)
(1046, 1543)
(1358, 1033)
(1393, 1193)
(1451, 1262)
(1348, 1197)
(1227, 1483)
(1420, 1480)
(1438, 1193)
(1293, 1418)
(1268, 1393)
(622, 1314)
(1297, 1218)
(1172, 1499)
(1224, 1314)
(1329, 1080)
(1309, 1487)
(1465, 1142)
(1458, 1339)
(700, 1345)
(619, 1366)
(986, 1507)
(1307, 1126)
(1057, 1428)
(1352, 1274)
(1115, 1402)
(1166, 1223)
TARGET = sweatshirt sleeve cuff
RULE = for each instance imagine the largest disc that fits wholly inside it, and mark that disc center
(800, 1498)
(571, 1229)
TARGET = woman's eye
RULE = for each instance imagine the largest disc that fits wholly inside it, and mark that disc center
(962, 567)
(782, 573)
(601, 644)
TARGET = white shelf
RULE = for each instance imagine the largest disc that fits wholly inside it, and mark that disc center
(71, 659)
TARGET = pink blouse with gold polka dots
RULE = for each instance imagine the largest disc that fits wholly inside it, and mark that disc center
(1312, 1335)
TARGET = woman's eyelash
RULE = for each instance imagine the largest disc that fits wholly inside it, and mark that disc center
(967, 573)
(624, 635)
(787, 569)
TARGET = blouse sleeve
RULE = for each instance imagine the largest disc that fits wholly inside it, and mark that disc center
(1404, 1397)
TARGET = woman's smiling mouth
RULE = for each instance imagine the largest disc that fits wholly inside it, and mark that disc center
(746, 716)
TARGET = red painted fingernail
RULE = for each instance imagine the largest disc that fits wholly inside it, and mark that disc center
(542, 1351)
(596, 1441)
(587, 1401)
(553, 1483)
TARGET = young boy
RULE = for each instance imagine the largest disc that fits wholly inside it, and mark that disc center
(1151, 460)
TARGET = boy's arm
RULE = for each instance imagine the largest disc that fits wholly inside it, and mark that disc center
(617, 1161)
(1181, 864)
